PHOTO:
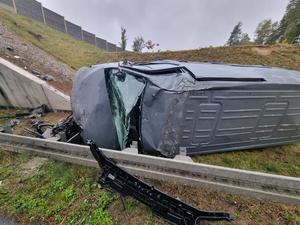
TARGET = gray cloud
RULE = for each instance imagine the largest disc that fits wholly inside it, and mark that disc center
(174, 24)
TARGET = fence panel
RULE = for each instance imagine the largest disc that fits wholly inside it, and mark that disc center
(118, 49)
(54, 20)
(7, 2)
(111, 47)
(31, 9)
(101, 43)
(34, 10)
(73, 30)
(88, 37)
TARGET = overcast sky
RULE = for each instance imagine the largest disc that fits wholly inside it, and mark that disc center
(174, 24)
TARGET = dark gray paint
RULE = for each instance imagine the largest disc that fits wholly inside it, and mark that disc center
(74, 30)
(54, 20)
(31, 9)
(91, 107)
(204, 107)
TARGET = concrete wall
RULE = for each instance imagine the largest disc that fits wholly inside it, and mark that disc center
(31, 9)
(34, 10)
(74, 30)
(18, 88)
(118, 49)
(54, 20)
(110, 47)
(88, 37)
(7, 2)
(101, 43)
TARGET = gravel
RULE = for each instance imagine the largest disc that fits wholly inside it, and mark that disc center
(34, 60)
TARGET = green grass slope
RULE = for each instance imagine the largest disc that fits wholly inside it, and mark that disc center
(64, 194)
(73, 52)
(286, 56)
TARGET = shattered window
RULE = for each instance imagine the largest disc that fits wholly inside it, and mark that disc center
(124, 91)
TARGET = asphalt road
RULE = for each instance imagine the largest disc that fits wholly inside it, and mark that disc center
(7, 221)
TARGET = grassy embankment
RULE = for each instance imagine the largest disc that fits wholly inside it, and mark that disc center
(59, 193)
(280, 160)
(73, 52)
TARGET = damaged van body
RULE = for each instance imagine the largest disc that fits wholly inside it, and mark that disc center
(170, 107)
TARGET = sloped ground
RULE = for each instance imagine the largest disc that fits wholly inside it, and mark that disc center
(283, 160)
(61, 193)
(72, 52)
(286, 56)
(34, 60)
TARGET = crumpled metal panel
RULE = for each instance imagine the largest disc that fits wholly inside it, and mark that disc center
(91, 107)
(200, 107)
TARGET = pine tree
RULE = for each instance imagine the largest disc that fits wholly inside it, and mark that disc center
(236, 34)
(245, 39)
(123, 42)
(288, 30)
(263, 32)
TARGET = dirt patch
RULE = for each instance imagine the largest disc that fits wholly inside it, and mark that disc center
(29, 168)
(244, 210)
(8, 114)
(35, 60)
(55, 117)
(265, 50)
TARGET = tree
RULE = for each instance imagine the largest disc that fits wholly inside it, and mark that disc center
(245, 39)
(263, 32)
(288, 30)
(273, 37)
(138, 44)
(236, 34)
(123, 42)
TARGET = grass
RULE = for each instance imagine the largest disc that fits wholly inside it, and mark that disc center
(282, 160)
(73, 52)
(286, 56)
(59, 193)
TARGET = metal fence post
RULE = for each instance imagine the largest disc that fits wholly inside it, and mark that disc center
(82, 34)
(14, 4)
(44, 19)
(66, 29)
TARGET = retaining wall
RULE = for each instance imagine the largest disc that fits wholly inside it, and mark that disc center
(19, 88)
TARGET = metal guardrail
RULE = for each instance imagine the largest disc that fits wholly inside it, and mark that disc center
(248, 183)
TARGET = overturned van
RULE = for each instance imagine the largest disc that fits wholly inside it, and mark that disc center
(170, 107)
